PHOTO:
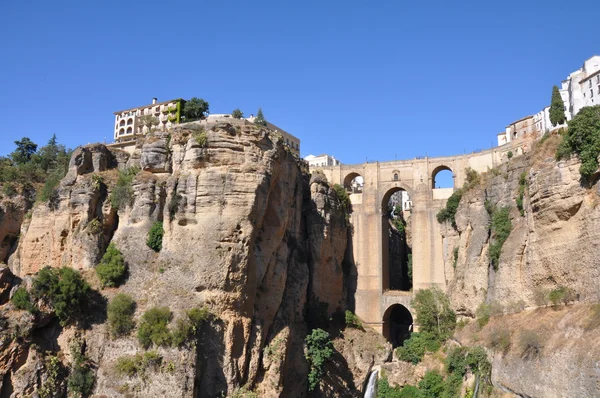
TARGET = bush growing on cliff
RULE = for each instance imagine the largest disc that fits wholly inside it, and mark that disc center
(188, 327)
(530, 344)
(319, 350)
(21, 300)
(237, 113)
(120, 315)
(342, 196)
(82, 378)
(413, 350)
(583, 139)
(434, 314)
(65, 290)
(153, 327)
(448, 213)
(155, 236)
(138, 363)
(562, 294)
(522, 185)
(500, 339)
(122, 194)
(112, 269)
(501, 227)
(352, 321)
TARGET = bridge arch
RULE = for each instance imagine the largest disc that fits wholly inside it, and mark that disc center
(395, 250)
(354, 182)
(438, 170)
(397, 324)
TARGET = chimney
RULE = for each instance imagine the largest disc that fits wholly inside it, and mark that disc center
(154, 101)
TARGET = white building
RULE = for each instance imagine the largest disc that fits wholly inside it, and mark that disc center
(140, 120)
(321, 160)
(541, 121)
(402, 199)
(582, 87)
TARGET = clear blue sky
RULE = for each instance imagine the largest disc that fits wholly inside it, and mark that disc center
(355, 79)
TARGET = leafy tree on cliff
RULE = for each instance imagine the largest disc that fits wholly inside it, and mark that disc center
(237, 114)
(318, 351)
(260, 118)
(25, 150)
(583, 138)
(434, 314)
(557, 108)
(195, 109)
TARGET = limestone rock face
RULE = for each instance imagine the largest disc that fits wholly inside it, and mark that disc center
(552, 245)
(245, 235)
(12, 215)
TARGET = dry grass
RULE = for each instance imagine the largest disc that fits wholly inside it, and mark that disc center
(546, 149)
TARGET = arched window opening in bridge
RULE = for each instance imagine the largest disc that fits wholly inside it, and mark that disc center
(395, 176)
(396, 251)
(397, 324)
(442, 177)
(354, 183)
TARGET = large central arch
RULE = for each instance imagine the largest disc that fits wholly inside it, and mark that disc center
(395, 252)
(397, 324)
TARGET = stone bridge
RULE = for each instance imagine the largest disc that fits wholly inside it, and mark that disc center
(375, 303)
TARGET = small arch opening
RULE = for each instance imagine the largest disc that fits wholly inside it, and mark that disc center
(442, 177)
(397, 324)
(121, 131)
(122, 123)
(129, 130)
(354, 183)
(129, 121)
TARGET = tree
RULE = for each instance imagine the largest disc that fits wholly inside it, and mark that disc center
(195, 109)
(112, 268)
(318, 351)
(155, 236)
(583, 138)
(237, 114)
(260, 118)
(557, 108)
(120, 315)
(434, 314)
(25, 149)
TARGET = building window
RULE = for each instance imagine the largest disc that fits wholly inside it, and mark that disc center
(122, 131)
(122, 122)
(129, 121)
(129, 130)
(395, 176)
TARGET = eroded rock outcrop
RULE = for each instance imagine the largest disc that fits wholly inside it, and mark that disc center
(246, 234)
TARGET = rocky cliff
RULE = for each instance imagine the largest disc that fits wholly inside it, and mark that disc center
(551, 247)
(247, 234)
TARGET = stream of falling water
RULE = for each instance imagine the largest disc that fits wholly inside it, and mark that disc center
(370, 391)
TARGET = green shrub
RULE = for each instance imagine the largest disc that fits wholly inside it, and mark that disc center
(432, 384)
(500, 339)
(448, 213)
(122, 194)
(413, 350)
(509, 154)
(153, 327)
(583, 138)
(82, 378)
(155, 236)
(455, 257)
(384, 390)
(21, 300)
(94, 227)
(562, 295)
(65, 290)
(342, 196)
(472, 179)
(501, 227)
(9, 190)
(187, 328)
(120, 315)
(319, 351)
(112, 269)
(530, 343)
(237, 114)
(434, 314)
(522, 185)
(128, 366)
(352, 321)
(199, 135)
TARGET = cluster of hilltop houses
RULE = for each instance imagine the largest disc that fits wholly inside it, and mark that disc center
(133, 122)
(580, 89)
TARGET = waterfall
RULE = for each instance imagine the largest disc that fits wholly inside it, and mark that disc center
(371, 390)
